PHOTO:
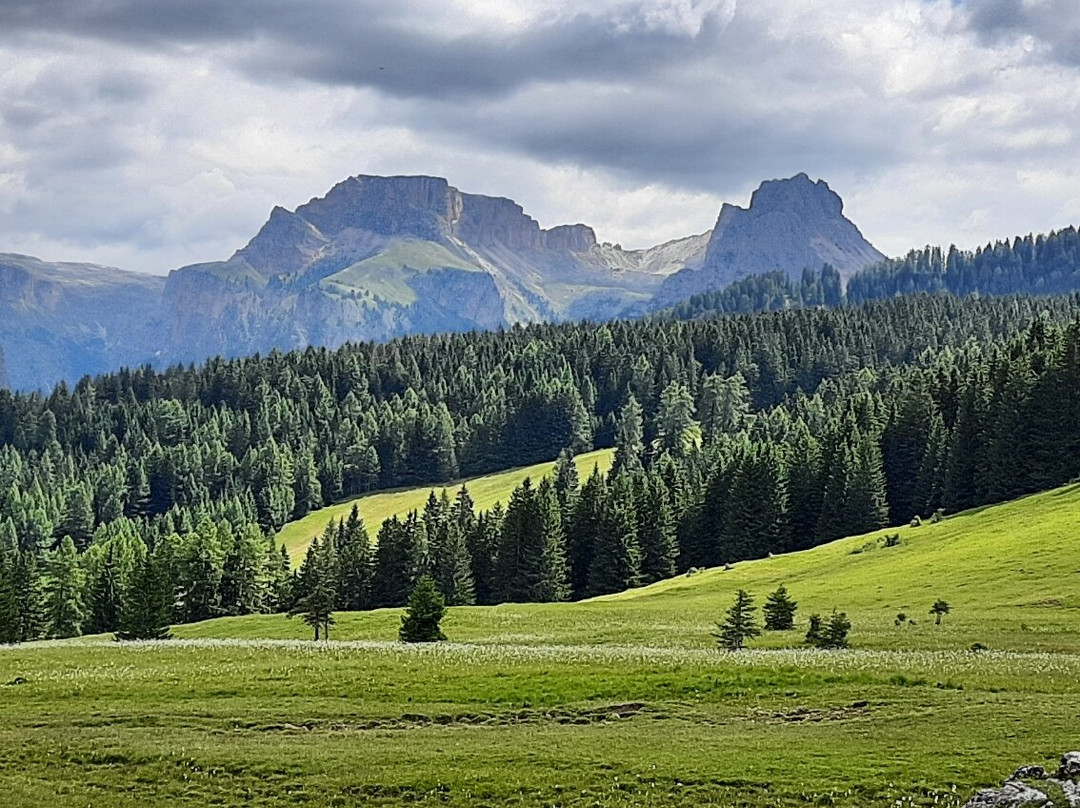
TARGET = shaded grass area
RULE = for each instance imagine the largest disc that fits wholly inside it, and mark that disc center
(375, 508)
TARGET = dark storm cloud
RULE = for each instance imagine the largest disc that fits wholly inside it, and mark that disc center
(1054, 24)
(374, 44)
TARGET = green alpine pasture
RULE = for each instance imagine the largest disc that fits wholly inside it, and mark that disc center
(374, 508)
(618, 701)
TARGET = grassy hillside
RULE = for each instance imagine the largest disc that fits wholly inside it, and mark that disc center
(374, 508)
(622, 700)
(1010, 572)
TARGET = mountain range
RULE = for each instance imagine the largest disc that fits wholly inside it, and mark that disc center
(378, 257)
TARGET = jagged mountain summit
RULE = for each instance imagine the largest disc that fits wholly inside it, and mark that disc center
(790, 225)
(382, 256)
(378, 257)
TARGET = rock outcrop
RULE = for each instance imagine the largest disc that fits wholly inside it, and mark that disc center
(1034, 787)
(790, 225)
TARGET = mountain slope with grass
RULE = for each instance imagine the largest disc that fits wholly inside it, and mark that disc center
(486, 491)
(1010, 572)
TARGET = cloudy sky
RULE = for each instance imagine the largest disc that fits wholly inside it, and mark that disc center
(149, 134)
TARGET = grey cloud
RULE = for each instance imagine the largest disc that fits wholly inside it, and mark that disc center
(373, 44)
(1055, 24)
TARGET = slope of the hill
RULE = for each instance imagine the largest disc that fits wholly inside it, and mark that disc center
(1011, 574)
(374, 508)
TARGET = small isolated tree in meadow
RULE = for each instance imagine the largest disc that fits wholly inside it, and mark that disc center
(738, 625)
(836, 631)
(425, 611)
(830, 634)
(317, 609)
(779, 610)
(939, 610)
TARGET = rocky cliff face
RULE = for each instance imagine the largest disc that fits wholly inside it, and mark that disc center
(62, 321)
(380, 256)
(790, 225)
(377, 257)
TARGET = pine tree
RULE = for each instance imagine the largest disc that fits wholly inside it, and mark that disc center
(63, 592)
(316, 608)
(453, 566)
(29, 596)
(9, 603)
(616, 560)
(356, 561)
(939, 610)
(656, 531)
(105, 595)
(629, 437)
(146, 606)
(554, 583)
(425, 611)
(779, 610)
(738, 625)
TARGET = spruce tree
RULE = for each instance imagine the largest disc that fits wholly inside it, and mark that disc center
(105, 595)
(738, 625)
(146, 606)
(64, 609)
(453, 566)
(779, 610)
(815, 631)
(586, 522)
(616, 560)
(357, 567)
(425, 611)
(554, 583)
(30, 597)
(656, 531)
(629, 437)
(9, 603)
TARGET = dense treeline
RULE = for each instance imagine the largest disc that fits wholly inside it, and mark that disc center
(1036, 265)
(962, 429)
(735, 437)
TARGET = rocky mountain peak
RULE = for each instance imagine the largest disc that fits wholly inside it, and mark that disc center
(797, 194)
(790, 225)
(577, 238)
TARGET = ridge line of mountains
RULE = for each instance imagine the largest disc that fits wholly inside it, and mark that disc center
(379, 257)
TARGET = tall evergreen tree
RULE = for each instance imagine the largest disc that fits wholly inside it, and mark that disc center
(146, 607)
(64, 608)
(629, 437)
(738, 624)
(616, 560)
(105, 595)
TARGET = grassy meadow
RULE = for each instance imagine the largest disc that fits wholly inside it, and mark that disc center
(622, 700)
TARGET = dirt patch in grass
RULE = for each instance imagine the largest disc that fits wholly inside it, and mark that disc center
(586, 715)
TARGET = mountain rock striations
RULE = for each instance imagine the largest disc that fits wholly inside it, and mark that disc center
(379, 257)
(791, 225)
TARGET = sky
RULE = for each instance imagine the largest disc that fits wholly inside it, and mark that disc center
(149, 135)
